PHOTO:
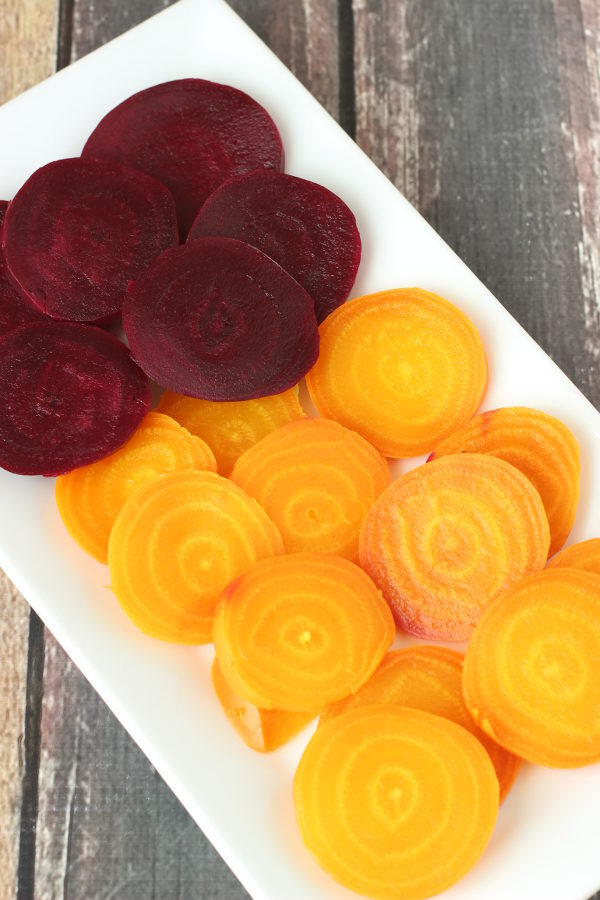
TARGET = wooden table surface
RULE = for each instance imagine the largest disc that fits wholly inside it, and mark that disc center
(487, 116)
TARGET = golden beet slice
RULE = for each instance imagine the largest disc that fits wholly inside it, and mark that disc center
(404, 368)
(317, 480)
(90, 498)
(395, 803)
(448, 537)
(584, 555)
(263, 730)
(299, 631)
(427, 678)
(231, 428)
(532, 670)
(540, 446)
(177, 542)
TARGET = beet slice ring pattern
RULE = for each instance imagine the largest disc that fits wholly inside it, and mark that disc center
(395, 803)
(79, 230)
(303, 226)
(446, 538)
(530, 677)
(191, 134)
(404, 368)
(428, 677)
(220, 320)
(14, 309)
(69, 395)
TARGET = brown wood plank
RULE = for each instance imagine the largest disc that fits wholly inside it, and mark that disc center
(14, 628)
(27, 51)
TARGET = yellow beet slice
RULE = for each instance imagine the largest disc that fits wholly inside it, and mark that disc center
(428, 678)
(263, 730)
(89, 498)
(298, 631)
(540, 446)
(585, 555)
(230, 428)
(404, 368)
(175, 545)
(532, 670)
(395, 803)
(448, 537)
(316, 480)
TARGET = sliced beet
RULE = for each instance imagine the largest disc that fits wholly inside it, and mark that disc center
(303, 226)
(218, 319)
(14, 309)
(191, 134)
(79, 230)
(69, 395)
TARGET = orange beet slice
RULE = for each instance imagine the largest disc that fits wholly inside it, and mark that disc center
(176, 543)
(404, 368)
(540, 446)
(263, 730)
(317, 480)
(232, 428)
(532, 670)
(299, 631)
(448, 537)
(427, 678)
(89, 498)
(585, 555)
(395, 803)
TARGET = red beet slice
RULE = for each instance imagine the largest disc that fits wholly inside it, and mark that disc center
(190, 134)
(218, 319)
(303, 226)
(79, 230)
(69, 395)
(14, 310)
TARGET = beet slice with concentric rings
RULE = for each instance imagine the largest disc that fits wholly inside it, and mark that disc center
(79, 230)
(218, 319)
(70, 394)
(303, 226)
(191, 134)
(14, 309)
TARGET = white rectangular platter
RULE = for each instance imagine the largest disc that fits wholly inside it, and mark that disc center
(547, 840)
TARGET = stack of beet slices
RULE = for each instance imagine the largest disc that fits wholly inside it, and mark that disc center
(231, 314)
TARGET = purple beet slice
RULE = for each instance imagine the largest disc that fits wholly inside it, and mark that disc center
(79, 230)
(191, 134)
(69, 395)
(218, 319)
(303, 226)
(14, 309)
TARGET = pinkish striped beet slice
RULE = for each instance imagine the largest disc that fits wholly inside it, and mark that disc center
(191, 134)
(218, 319)
(303, 226)
(70, 394)
(79, 230)
(14, 309)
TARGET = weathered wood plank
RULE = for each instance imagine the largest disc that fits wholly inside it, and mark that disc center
(14, 627)
(27, 51)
